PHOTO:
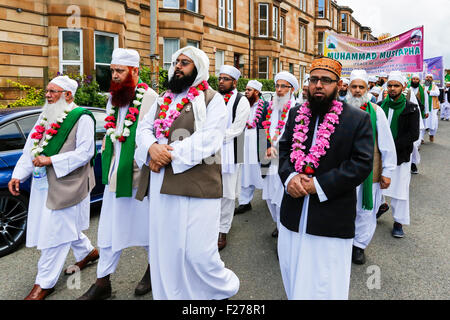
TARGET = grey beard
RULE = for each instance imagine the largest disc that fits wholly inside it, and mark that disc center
(356, 101)
(51, 111)
(427, 83)
(279, 102)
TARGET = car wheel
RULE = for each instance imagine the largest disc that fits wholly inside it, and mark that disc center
(13, 221)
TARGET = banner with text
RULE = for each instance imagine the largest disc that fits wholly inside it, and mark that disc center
(403, 52)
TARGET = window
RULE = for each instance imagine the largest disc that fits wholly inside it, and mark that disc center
(281, 66)
(344, 22)
(26, 124)
(230, 14)
(220, 60)
(282, 30)
(170, 47)
(275, 67)
(104, 44)
(192, 5)
(291, 68)
(328, 9)
(302, 5)
(302, 75)
(263, 19)
(11, 138)
(320, 43)
(99, 124)
(321, 8)
(70, 51)
(302, 37)
(171, 4)
(221, 9)
(263, 67)
(365, 36)
(192, 43)
(275, 22)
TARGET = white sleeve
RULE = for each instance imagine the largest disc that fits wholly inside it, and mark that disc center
(145, 137)
(435, 92)
(65, 163)
(386, 144)
(320, 193)
(24, 166)
(238, 125)
(204, 142)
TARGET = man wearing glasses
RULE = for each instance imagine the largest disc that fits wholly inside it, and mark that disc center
(326, 151)
(238, 109)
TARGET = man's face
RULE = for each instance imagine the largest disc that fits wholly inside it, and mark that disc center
(305, 92)
(55, 92)
(371, 84)
(358, 88)
(322, 90)
(119, 72)
(184, 66)
(429, 78)
(226, 83)
(395, 89)
(415, 81)
(447, 85)
(251, 92)
(282, 87)
(344, 87)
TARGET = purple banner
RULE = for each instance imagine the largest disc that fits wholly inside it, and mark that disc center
(435, 66)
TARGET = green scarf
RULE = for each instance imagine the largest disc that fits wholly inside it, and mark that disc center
(398, 107)
(125, 169)
(367, 197)
(55, 144)
(430, 101)
(422, 98)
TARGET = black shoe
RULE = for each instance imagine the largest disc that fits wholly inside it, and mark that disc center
(414, 168)
(145, 285)
(243, 208)
(383, 208)
(358, 256)
(96, 292)
(275, 233)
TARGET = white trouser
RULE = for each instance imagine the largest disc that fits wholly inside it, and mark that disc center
(226, 214)
(365, 225)
(400, 211)
(108, 260)
(52, 260)
(246, 194)
(274, 212)
(445, 110)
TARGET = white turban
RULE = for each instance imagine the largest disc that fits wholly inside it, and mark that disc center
(255, 84)
(125, 57)
(359, 74)
(306, 83)
(372, 79)
(66, 84)
(345, 80)
(289, 77)
(429, 75)
(375, 90)
(231, 71)
(396, 76)
(383, 75)
(415, 75)
(201, 62)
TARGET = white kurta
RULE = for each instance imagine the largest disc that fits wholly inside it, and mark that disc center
(366, 221)
(445, 107)
(123, 221)
(183, 230)
(431, 122)
(50, 228)
(415, 154)
(313, 267)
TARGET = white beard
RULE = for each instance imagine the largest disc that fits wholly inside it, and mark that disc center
(279, 102)
(357, 101)
(52, 111)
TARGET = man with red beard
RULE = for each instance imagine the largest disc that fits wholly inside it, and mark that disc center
(123, 219)
(326, 151)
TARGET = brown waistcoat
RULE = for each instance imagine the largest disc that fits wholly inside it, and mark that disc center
(71, 189)
(201, 181)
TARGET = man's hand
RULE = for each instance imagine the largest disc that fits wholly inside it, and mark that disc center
(426, 115)
(154, 167)
(385, 182)
(42, 161)
(295, 187)
(308, 184)
(13, 186)
(160, 155)
(271, 153)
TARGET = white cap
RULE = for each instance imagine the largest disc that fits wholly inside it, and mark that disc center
(396, 76)
(200, 59)
(359, 74)
(415, 75)
(372, 79)
(383, 75)
(255, 84)
(289, 77)
(345, 80)
(375, 90)
(231, 71)
(125, 57)
(66, 83)
(429, 75)
(306, 83)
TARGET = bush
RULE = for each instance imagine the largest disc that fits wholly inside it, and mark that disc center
(33, 96)
(144, 74)
(268, 85)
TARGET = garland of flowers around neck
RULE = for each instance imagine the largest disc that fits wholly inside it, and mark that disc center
(306, 163)
(40, 132)
(227, 96)
(164, 121)
(130, 118)
(258, 114)
(266, 124)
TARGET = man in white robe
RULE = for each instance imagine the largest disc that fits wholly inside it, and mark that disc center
(385, 162)
(445, 109)
(55, 231)
(417, 96)
(285, 86)
(238, 109)
(185, 187)
(251, 169)
(431, 106)
(123, 219)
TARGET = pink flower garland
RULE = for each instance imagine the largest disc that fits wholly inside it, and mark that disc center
(258, 114)
(164, 122)
(306, 163)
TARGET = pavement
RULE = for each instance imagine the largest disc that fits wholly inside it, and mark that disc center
(415, 267)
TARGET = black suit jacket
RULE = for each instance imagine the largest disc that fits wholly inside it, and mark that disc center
(347, 163)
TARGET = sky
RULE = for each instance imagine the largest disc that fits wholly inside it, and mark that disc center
(398, 16)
